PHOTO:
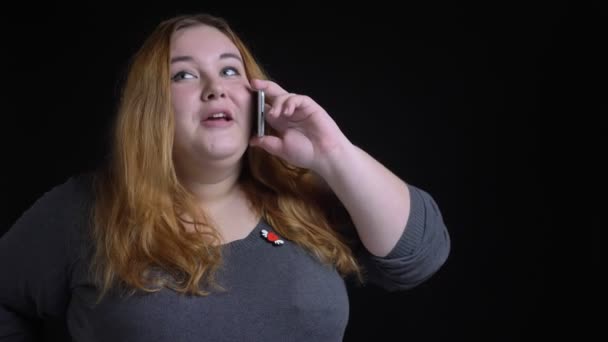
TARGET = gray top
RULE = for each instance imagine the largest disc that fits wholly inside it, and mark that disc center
(273, 293)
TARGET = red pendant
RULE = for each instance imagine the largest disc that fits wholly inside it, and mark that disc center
(272, 237)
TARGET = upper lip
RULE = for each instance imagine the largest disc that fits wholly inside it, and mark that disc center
(208, 113)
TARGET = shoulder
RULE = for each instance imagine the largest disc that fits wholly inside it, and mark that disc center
(63, 200)
(76, 188)
(60, 214)
(39, 250)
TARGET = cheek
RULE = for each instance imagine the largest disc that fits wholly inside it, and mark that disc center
(181, 99)
(245, 103)
(182, 114)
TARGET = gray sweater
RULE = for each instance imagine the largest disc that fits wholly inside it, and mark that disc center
(273, 293)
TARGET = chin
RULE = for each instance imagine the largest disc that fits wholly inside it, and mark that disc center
(224, 152)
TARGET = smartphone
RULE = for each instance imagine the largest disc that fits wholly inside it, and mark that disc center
(260, 104)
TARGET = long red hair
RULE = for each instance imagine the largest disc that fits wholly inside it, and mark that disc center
(140, 202)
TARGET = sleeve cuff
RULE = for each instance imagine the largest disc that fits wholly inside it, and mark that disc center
(415, 227)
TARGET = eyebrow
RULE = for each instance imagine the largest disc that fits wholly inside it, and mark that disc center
(191, 59)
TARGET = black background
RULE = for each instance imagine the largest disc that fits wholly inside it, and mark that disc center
(460, 100)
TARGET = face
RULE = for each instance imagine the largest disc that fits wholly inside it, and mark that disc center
(211, 97)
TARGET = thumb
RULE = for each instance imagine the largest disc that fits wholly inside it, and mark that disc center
(269, 143)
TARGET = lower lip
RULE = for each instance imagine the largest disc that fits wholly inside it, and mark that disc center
(217, 123)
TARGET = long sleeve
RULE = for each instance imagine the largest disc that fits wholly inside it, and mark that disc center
(35, 260)
(421, 251)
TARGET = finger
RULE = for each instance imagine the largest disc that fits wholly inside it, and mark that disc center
(278, 107)
(272, 119)
(272, 89)
(291, 104)
(275, 120)
(267, 108)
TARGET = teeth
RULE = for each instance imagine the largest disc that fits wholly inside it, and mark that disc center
(219, 115)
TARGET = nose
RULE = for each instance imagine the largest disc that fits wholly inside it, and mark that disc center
(213, 91)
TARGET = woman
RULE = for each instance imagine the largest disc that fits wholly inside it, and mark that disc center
(196, 229)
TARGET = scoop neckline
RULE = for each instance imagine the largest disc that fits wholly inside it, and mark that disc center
(250, 238)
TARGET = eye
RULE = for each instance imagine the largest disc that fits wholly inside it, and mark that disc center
(230, 71)
(182, 75)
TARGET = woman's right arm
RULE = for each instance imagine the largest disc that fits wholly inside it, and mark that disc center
(35, 259)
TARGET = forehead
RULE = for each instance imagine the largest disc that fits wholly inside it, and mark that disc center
(201, 40)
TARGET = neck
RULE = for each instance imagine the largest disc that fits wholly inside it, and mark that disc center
(213, 186)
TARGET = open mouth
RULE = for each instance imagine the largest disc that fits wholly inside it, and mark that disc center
(218, 120)
(219, 117)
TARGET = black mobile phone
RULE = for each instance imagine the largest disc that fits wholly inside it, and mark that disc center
(260, 104)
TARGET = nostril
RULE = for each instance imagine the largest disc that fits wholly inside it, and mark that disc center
(213, 96)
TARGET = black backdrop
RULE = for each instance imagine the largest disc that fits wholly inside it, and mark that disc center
(447, 97)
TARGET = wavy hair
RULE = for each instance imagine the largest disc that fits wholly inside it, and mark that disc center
(140, 204)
